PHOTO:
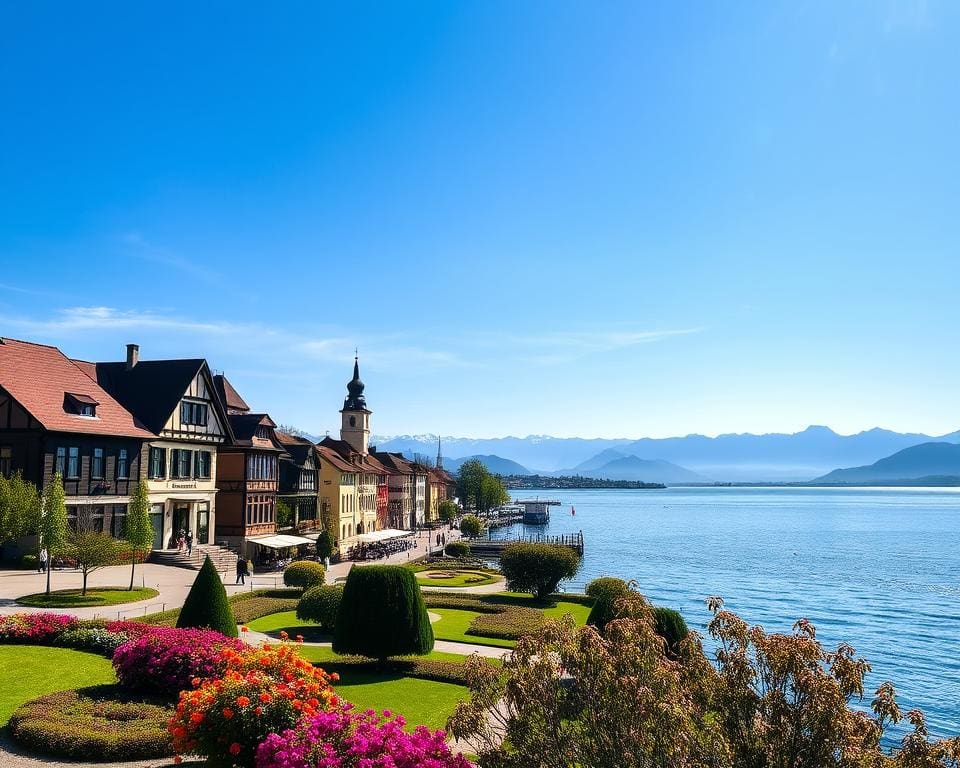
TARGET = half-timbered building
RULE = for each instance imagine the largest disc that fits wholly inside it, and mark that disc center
(299, 483)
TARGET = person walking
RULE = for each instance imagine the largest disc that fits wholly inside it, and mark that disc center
(181, 541)
(189, 540)
(42, 560)
(241, 570)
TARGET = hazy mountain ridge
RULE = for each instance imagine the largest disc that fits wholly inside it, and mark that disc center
(934, 460)
(496, 464)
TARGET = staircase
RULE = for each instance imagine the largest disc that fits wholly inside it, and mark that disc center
(223, 558)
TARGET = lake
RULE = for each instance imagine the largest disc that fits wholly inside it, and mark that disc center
(878, 568)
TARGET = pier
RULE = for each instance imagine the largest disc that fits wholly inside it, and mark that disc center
(493, 547)
(537, 511)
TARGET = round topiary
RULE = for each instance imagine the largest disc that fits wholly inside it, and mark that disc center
(605, 592)
(103, 723)
(670, 625)
(382, 614)
(458, 549)
(206, 606)
(304, 574)
(321, 604)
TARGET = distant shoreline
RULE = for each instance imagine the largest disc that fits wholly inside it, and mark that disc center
(527, 482)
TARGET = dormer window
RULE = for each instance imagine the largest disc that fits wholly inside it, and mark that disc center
(263, 432)
(79, 404)
(193, 413)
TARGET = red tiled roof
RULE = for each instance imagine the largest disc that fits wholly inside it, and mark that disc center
(39, 377)
(326, 453)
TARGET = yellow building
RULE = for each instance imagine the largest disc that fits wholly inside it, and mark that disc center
(339, 494)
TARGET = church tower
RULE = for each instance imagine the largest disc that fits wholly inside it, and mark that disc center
(355, 423)
(439, 454)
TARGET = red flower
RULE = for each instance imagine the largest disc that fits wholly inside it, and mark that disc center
(227, 712)
(235, 748)
(242, 701)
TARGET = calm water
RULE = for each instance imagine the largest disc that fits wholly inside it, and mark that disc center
(878, 568)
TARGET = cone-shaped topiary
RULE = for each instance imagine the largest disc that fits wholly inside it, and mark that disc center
(206, 606)
(382, 614)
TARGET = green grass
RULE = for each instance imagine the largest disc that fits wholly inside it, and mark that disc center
(421, 702)
(287, 621)
(322, 653)
(453, 625)
(30, 671)
(457, 579)
(96, 596)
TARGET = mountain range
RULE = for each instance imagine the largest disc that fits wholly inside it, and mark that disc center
(775, 457)
(935, 463)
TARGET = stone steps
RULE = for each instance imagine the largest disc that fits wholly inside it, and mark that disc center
(223, 558)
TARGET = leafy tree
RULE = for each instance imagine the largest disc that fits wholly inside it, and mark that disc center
(53, 521)
(478, 489)
(325, 547)
(382, 614)
(304, 574)
(91, 549)
(19, 507)
(447, 511)
(321, 604)
(138, 532)
(538, 568)
(284, 514)
(206, 606)
(605, 591)
(458, 549)
(671, 626)
(569, 696)
(493, 494)
(471, 526)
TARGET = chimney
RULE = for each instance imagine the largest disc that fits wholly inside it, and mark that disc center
(133, 355)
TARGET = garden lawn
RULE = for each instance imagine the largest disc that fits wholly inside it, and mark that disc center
(454, 623)
(421, 702)
(287, 621)
(71, 598)
(321, 653)
(457, 579)
(29, 671)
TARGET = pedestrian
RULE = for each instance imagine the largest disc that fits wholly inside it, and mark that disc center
(438, 539)
(181, 540)
(241, 570)
(189, 539)
(443, 539)
(42, 560)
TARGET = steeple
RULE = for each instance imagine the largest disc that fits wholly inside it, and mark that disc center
(355, 400)
(439, 454)
(355, 417)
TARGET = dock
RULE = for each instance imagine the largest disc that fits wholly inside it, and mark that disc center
(493, 547)
(536, 511)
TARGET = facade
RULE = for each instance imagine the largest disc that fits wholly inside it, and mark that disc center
(299, 483)
(400, 501)
(339, 502)
(438, 486)
(248, 471)
(418, 500)
(176, 402)
(55, 418)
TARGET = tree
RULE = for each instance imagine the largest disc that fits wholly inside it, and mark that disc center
(605, 591)
(447, 511)
(471, 526)
(493, 494)
(459, 549)
(138, 532)
(53, 522)
(206, 606)
(538, 568)
(469, 480)
(382, 614)
(92, 549)
(325, 546)
(284, 514)
(19, 507)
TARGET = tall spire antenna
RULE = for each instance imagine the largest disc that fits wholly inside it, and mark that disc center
(439, 454)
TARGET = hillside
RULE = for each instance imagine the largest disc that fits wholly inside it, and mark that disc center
(919, 461)
(496, 464)
(644, 470)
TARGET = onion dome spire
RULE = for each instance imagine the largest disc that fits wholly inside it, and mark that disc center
(355, 401)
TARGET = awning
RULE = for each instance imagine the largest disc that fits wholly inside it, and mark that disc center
(389, 533)
(280, 541)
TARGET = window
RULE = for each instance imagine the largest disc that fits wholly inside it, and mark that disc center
(118, 521)
(123, 470)
(193, 413)
(181, 463)
(60, 465)
(73, 463)
(96, 465)
(261, 466)
(308, 480)
(6, 460)
(86, 409)
(82, 405)
(263, 433)
(202, 465)
(158, 463)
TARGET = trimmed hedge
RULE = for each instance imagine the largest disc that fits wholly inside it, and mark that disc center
(321, 604)
(248, 610)
(461, 602)
(538, 568)
(99, 724)
(382, 614)
(424, 669)
(508, 624)
(304, 574)
(605, 592)
(206, 606)
(670, 625)
(277, 600)
(457, 549)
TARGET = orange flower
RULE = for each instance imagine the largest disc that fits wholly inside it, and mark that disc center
(195, 682)
(266, 698)
(235, 748)
(227, 712)
(244, 629)
(258, 711)
(242, 701)
(196, 717)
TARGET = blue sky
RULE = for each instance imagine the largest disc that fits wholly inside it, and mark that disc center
(648, 219)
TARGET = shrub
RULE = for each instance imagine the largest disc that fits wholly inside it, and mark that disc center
(670, 625)
(508, 624)
(166, 660)
(34, 628)
(347, 740)
(206, 606)
(262, 691)
(460, 602)
(94, 639)
(304, 574)
(458, 549)
(101, 724)
(321, 604)
(605, 592)
(29, 561)
(325, 545)
(537, 568)
(471, 526)
(382, 614)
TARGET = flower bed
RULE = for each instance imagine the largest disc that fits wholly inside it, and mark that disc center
(342, 739)
(34, 628)
(510, 624)
(166, 660)
(102, 723)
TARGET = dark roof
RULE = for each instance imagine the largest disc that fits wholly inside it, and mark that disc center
(326, 453)
(298, 451)
(151, 390)
(244, 428)
(394, 462)
(228, 395)
(355, 400)
(40, 377)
